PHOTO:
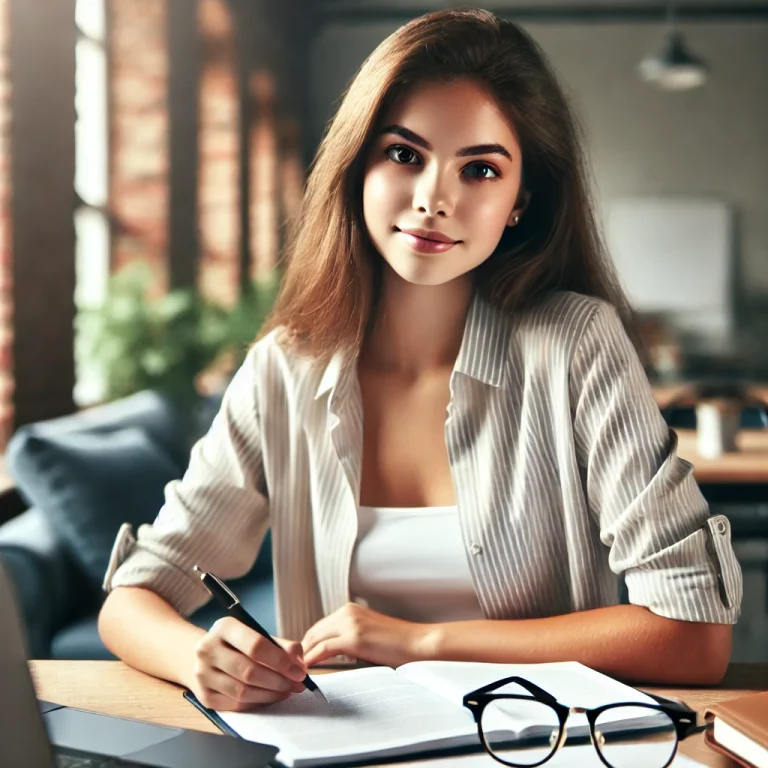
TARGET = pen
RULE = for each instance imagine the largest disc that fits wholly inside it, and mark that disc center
(229, 602)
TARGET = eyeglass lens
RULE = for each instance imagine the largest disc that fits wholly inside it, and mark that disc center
(531, 741)
(619, 733)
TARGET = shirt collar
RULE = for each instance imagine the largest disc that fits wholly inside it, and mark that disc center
(482, 355)
(338, 364)
(484, 350)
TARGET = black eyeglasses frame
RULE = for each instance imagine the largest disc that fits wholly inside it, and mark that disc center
(683, 718)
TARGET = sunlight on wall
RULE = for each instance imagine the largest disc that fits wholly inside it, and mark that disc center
(6, 293)
(91, 179)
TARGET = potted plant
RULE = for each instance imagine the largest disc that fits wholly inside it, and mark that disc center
(165, 343)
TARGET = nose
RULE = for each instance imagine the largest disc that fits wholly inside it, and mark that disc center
(432, 194)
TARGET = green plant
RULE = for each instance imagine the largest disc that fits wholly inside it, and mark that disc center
(164, 343)
(251, 312)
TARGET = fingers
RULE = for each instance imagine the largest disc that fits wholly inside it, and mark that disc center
(244, 670)
(237, 668)
(219, 690)
(323, 629)
(326, 649)
(348, 622)
(295, 650)
(287, 663)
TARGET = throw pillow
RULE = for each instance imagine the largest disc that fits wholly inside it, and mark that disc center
(89, 483)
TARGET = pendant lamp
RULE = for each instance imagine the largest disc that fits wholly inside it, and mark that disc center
(673, 67)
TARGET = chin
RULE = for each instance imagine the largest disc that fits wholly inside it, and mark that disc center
(424, 277)
(421, 272)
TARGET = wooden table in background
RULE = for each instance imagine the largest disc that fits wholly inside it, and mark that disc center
(747, 465)
(116, 689)
(683, 394)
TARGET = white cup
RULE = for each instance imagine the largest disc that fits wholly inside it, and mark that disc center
(717, 424)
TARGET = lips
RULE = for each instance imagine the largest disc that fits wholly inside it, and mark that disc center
(426, 245)
(430, 235)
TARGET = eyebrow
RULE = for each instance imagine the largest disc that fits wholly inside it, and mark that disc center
(477, 149)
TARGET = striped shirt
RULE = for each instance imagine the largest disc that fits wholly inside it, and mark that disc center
(565, 473)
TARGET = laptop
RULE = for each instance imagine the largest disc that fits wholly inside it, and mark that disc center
(44, 735)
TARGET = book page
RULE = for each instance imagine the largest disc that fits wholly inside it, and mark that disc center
(570, 682)
(739, 743)
(368, 710)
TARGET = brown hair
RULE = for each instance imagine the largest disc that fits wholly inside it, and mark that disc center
(331, 285)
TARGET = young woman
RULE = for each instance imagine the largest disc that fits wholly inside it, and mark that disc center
(444, 423)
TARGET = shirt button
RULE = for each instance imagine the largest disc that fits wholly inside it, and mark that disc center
(476, 549)
(721, 527)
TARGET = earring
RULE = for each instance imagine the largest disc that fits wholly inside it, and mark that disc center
(516, 219)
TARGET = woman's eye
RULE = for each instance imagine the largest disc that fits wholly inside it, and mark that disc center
(402, 155)
(483, 171)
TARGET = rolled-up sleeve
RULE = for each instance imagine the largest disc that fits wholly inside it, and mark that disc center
(216, 516)
(677, 560)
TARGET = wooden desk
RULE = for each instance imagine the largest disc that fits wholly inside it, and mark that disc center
(684, 393)
(748, 465)
(114, 688)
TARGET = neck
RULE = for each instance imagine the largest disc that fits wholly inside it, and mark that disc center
(418, 328)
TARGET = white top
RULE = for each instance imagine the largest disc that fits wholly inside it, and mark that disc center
(412, 564)
(566, 476)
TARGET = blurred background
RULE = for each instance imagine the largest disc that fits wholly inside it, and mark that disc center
(152, 156)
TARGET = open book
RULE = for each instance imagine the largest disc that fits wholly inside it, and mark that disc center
(378, 712)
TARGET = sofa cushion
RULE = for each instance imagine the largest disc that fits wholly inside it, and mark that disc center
(88, 483)
(166, 423)
(31, 581)
(38, 566)
(80, 640)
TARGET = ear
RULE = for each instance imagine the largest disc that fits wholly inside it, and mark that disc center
(523, 199)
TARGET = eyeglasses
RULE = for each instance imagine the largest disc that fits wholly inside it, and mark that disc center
(526, 730)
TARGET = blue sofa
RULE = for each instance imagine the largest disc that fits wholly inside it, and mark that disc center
(80, 477)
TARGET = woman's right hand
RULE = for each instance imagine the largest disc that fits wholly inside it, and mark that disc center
(236, 668)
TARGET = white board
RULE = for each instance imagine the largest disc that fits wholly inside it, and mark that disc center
(674, 255)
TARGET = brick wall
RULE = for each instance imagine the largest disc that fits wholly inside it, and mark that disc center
(276, 169)
(218, 194)
(139, 148)
(138, 83)
(265, 193)
(6, 331)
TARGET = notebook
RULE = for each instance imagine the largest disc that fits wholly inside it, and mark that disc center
(376, 713)
(740, 729)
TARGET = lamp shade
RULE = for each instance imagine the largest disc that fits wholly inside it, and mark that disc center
(673, 67)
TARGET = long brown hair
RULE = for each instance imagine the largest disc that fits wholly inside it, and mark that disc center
(331, 285)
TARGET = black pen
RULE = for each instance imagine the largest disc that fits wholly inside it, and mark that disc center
(229, 602)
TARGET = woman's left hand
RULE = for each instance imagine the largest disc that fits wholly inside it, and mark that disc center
(365, 634)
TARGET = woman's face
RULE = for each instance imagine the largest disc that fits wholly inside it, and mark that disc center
(446, 166)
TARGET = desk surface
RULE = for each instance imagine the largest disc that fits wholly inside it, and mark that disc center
(747, 465)
(116, 689)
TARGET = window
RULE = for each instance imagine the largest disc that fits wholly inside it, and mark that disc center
(92, 232)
